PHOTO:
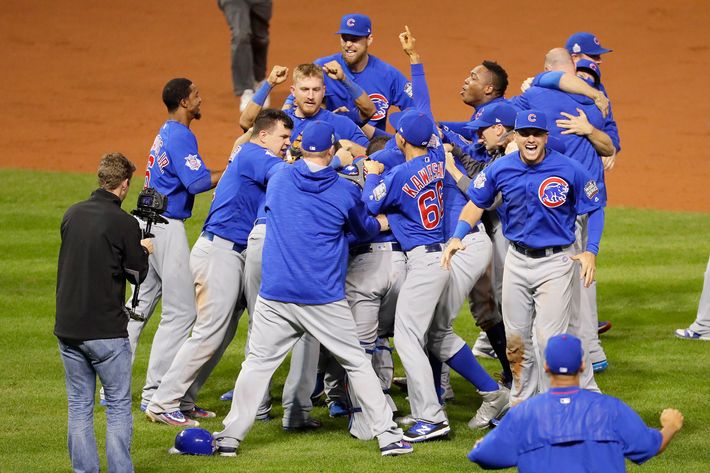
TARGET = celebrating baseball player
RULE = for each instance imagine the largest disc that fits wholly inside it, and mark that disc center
(176, 170)
(309, 191)
(543, 191)
(217, 263)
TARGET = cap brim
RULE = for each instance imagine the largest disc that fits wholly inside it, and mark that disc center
(174, 451)
(597, 52)
(532, 128)
(352, 33)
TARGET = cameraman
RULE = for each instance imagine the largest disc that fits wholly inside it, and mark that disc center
(101, 248)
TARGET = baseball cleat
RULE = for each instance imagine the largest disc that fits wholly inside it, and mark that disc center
(603, 326)
(308, 424)
(337, 409)
(423, 431)
(198, 413)
(484, 351)
(495, 403)
(227, 396)
(600, 366)
(226, 446)
(171, 418)
(687, 334)
(396, 448)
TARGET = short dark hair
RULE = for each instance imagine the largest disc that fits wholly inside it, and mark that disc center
(499, 76)
(175, 91)
(267, 118)
(114, 168)
(376, 144)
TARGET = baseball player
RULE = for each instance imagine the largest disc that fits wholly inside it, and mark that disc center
(571, 429)
(175, 169)
(412, 193)
(217, 261)
(306, 193)
(362, 83)
(308, 90)
(700, 329)
(542, 194)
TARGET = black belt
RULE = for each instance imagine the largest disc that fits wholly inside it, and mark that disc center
(434, 248)
(538, 252)
(235, 246)
(372, 247)
(260, 221)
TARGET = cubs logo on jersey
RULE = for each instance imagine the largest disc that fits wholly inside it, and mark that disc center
(553, 192)
(381, 105)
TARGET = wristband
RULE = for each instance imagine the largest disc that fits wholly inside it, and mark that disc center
(260, 96)
(353, 89)
(462, 229)
(335, 162)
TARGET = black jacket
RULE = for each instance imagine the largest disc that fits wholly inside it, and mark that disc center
(100, 250)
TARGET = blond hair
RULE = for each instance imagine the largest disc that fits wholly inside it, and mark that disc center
(304, 71)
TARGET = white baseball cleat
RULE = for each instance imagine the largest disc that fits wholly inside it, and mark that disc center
(494, 404)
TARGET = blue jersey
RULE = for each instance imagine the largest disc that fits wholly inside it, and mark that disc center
(384, 84)
(540, 202)
(579, 148)
(241, 191)
(305, 253)
(460, 127)
(173, 165)
(552, 80)
(345, 129)
(568, 430)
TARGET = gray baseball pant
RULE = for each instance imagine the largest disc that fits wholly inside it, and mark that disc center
(276, 327)
(296, 396)
(217, 269)
(702, 321)
(588, 315)
(540, 294)
(169, 276)
(418, 297)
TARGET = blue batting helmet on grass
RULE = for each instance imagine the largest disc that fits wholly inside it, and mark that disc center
(193, 441)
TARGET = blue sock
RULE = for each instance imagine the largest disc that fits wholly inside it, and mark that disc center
(436, 371)
(465, 364)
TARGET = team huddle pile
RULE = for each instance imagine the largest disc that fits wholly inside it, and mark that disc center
(334, 235)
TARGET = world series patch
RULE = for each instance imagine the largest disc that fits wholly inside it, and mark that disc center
(553, 192)
(379, 192)
(591, 189)
(480, 180)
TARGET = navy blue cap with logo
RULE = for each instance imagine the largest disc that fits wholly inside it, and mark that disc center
(355, 24)
(415, 127)
(496, 114)
(585, 43)
(563, 354)
(531, 119)
(317, 136)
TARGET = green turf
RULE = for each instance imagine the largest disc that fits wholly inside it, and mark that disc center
(650, 275)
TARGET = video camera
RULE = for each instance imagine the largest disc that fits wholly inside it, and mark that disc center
(151, 204)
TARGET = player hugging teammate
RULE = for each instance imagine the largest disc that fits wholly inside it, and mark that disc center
(380, 234)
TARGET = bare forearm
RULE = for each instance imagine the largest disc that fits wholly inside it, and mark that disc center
(601, 142)
(471, 213)
(246, 120)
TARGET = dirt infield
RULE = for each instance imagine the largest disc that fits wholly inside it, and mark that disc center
(85, 77)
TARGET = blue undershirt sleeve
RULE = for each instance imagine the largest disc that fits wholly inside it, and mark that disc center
(595, 227)
(200, 185)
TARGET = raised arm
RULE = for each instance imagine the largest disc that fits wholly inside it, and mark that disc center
(362, 101)
(277, 76)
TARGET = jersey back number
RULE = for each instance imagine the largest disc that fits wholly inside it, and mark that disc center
(431, 206)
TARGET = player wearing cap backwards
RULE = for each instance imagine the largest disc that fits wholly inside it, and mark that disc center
(217, 263)
(570, 429)
(309, 209)
(542, 191)
(362, 83)
(412, 195)
(308, 90)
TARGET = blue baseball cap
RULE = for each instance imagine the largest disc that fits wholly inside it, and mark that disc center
(590, 67)
(317, 136)
(496, 114)
(585, 43)
(563, 354)
(415, 127)
(531, 119)
(355, 24)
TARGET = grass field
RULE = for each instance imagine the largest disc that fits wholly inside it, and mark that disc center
(650, 275)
